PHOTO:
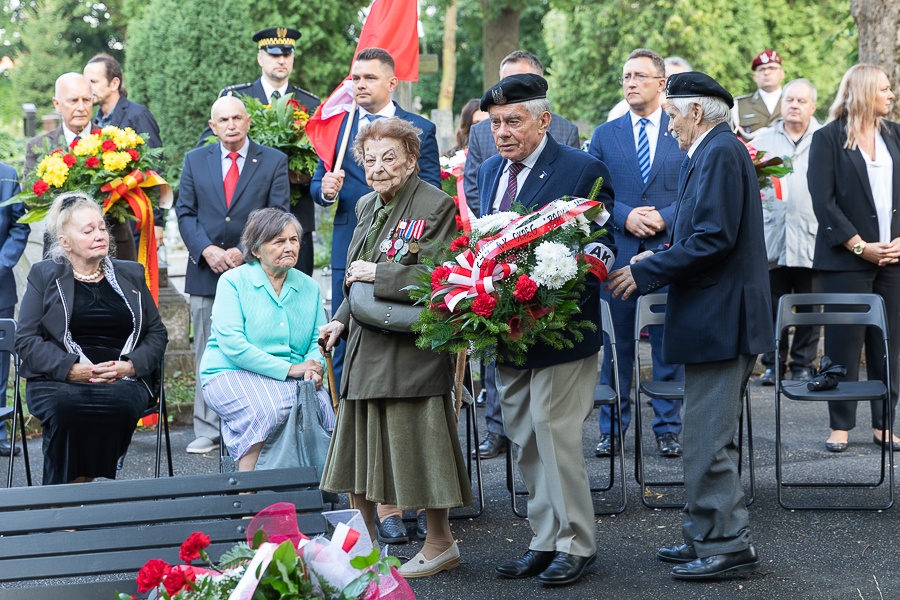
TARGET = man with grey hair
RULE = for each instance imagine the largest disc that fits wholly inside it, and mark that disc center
(790, 222)
(545, 401)
(718, 319)
(221, 184)
(73, 100)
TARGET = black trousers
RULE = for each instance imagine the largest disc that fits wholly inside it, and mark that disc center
(844, 344)
(805, 342)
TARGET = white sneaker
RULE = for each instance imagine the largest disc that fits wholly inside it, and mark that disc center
(202, 445)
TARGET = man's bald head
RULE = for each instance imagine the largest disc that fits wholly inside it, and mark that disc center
(230, 122)
(72, 99)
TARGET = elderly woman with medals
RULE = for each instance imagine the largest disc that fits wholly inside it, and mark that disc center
(396, 435)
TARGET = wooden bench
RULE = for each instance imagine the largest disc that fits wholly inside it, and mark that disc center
(114, 527)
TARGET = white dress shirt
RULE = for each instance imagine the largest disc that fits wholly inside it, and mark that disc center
(881, 181)
(770, 99)
(528, 163)
(268, 89)
(651, 128)
(226, 162)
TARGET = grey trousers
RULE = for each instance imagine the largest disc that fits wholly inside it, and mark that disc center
(206, 422)
(715, 519)
(544, 411)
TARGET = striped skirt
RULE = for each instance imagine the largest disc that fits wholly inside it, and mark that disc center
(251, 405)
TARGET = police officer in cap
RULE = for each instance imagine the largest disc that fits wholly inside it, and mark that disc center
(754, 112)
(275, 57)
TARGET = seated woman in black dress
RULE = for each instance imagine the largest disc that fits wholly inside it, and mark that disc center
(91, 340)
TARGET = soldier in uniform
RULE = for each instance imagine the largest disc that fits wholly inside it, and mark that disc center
(754, 112)
(275, 56)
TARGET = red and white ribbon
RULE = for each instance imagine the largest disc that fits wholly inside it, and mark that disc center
(466, 281)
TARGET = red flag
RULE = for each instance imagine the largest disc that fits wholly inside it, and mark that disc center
(391, 25)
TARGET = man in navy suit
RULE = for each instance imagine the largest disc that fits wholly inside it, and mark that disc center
(545, 401)
(644, 161)
(221, 184)
(373, 82)
(13, 237)
(718, 318)
(275, 56)
(482, 147)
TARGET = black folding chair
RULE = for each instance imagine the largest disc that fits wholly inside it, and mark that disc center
(15, 412)
(158, 408)
(604, 395)
(841, 310)
(651, 311)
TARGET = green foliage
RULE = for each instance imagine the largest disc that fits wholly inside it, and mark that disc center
(179, 79)
(590, 42)
(374, 567)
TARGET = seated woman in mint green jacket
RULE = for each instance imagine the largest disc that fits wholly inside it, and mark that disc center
(264, 336)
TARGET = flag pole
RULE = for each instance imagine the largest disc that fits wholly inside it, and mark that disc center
(342, 149)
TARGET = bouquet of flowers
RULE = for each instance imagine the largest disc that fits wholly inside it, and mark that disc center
(282, 125)
(280, 562)
(451, 171)
(514, 279)
(769, 170)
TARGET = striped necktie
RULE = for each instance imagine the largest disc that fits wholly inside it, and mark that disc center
(511, 186)
(377, 223)
(275, 96)
(643, 150)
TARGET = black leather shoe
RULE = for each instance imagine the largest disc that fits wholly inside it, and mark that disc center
(566, 569)
(677, 554)
(6, 448)
(421, 526)
(800, 374)
(768, 377)
(609, 445)
(532, 563)
(668, 445)
(391, 530)
(493, 446)
(718, 565)
(895, 446)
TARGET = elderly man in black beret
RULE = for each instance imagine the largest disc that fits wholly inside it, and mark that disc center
(715, 265)
(545, 401)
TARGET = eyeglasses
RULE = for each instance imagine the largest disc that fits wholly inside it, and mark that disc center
(767, 68)
(638, 78)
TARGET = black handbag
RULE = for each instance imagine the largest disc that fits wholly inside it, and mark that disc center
(384, 316)
(826, 376)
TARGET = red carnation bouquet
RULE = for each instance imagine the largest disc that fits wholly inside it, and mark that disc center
(511, 280)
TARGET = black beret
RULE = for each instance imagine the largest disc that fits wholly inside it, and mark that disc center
(514, 89)
(277, 40)
(693, 84)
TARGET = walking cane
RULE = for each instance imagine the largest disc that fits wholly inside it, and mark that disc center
(460, 375)
(330, 366)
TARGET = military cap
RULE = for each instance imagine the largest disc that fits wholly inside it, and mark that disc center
(693, 84)
(277, 40)
(765, 57)
(514, 89)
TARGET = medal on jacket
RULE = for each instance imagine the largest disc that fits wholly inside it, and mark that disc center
(391, 244)
(416, 230)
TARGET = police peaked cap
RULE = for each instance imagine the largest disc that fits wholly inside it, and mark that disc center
(277, 40)
(514, 89)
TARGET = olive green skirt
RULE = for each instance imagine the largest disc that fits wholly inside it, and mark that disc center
(404, 452)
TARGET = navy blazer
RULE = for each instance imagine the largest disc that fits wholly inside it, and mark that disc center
(559, 171)
(482, 147)
(355, 186)
(137, 116)
(613, 144)
(203, 218)
(842, 197)
(719, 304)
(13, 235)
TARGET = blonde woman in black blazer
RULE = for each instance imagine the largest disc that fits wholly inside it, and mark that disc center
(854, 179)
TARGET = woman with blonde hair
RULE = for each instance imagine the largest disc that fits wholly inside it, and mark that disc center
(854, 179)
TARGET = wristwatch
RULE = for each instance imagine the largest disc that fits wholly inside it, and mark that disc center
(858, 248)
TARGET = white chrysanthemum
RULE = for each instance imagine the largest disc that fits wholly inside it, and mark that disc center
(581, 222)
(458, 159)
(555, 265)
(494, 222)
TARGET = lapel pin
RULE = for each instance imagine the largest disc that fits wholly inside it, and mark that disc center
(254, 160)
(542, 174)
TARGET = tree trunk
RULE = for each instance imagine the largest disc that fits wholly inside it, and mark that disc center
(448, 73)
(878, 22)
(500, 33)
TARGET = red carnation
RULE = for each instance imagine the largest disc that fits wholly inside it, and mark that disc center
(484, 305)
(177, 579)
(459, 222)
(459, 243)
(293, 104)
(151, 575)
(446, 175)
(69, 159)
(439, 276)
(526, 288)
(96, 132)
(109, 146)
(190, 549)
(40, 186)
(92, 162)
(133, 154)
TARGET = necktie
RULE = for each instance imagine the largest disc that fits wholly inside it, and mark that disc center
(275, 96)
(643, 150)
(371, 118)
(372, 234)
(231, 178)
(512, 186)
